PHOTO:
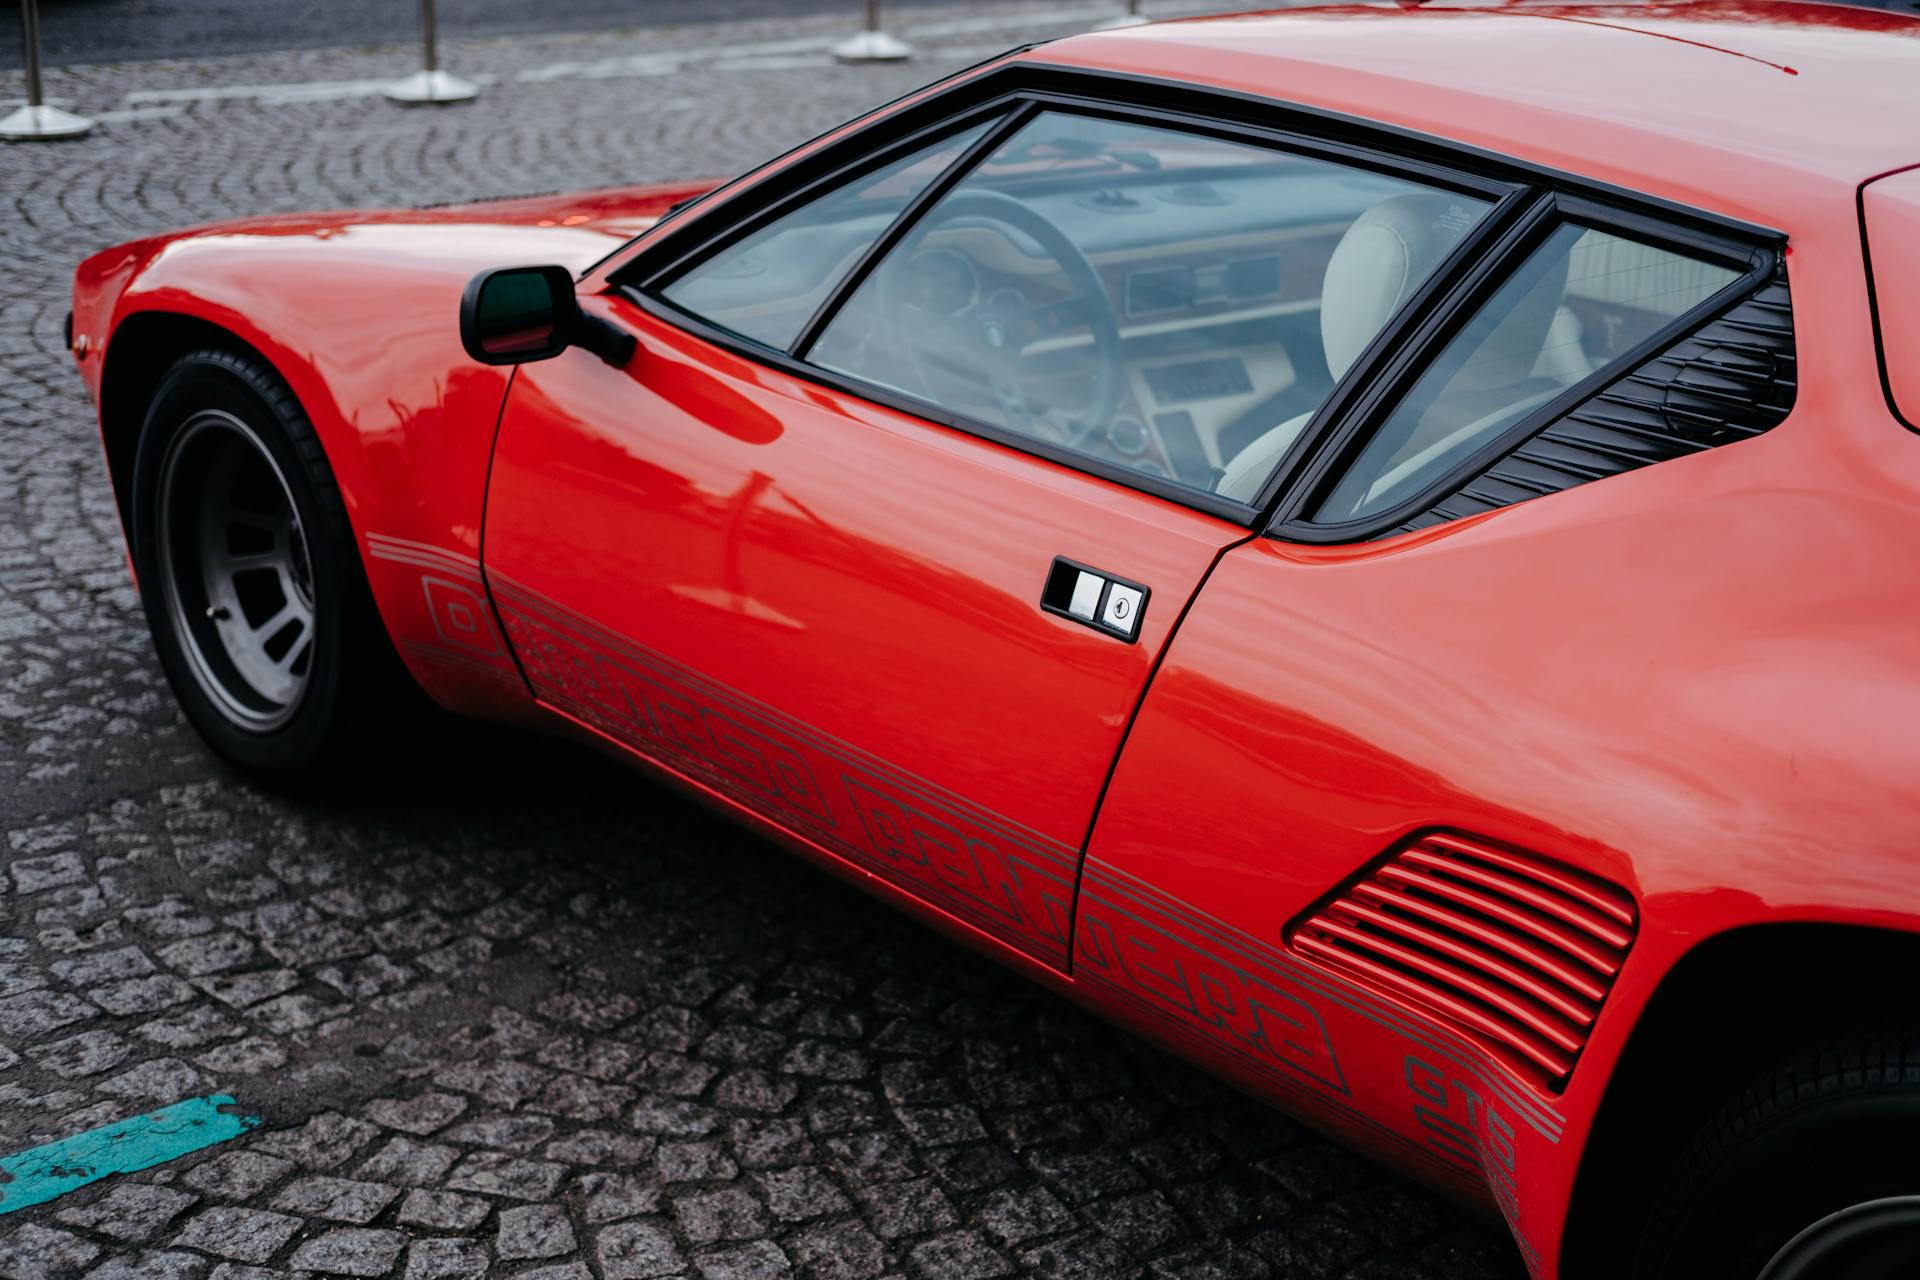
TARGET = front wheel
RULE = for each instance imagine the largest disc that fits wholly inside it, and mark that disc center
(1812, 1173)
(251, 577)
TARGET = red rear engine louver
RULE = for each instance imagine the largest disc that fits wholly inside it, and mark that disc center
(1517, 949)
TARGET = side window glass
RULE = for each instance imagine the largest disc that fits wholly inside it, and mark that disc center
(766, 286)
(1580, 301)
(1175, 304)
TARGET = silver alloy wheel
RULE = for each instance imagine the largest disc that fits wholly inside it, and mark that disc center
(234, 568)
(1867, 1241)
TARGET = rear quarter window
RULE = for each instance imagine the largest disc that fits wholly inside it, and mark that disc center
(1580, 302)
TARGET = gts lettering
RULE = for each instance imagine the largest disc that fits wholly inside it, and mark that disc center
(1466, 1128)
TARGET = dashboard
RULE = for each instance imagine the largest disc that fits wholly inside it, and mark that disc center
(1160, 319)
(1210, 331)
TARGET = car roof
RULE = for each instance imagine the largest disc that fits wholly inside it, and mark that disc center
(1753, 108)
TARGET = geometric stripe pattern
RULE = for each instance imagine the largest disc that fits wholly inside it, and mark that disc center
(1011, 882)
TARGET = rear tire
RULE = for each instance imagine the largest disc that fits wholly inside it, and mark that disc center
(252, 581)
(1812, 1173)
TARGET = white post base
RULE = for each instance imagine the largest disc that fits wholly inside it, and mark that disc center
(1122, 20)
(432, 87)
(29, 124)
(873, 46)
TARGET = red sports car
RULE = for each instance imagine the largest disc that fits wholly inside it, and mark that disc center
(1376, 546)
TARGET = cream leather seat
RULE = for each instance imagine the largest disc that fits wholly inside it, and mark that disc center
(1377, 265)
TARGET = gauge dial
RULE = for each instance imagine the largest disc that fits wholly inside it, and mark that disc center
(942, 282)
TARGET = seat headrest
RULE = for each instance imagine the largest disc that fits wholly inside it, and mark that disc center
(1379, 262)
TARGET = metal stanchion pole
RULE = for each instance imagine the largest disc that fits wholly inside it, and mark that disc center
(873, 44)
(430, 84)
(37, 120)
(1129, 17)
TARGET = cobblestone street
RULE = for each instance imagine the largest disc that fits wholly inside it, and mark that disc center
(535, 1016)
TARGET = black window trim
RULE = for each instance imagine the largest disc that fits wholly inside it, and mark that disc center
(696, 208)
(1327, 459)
(1235, 105)
(642, 279)
(644, 275)
(1873, 301)
(1526, 200)
(1035, 103)
(1200, 500)
(1014, 120)
(1481, 255)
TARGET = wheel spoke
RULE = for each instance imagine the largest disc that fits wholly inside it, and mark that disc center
(295, 650)
(291, 611)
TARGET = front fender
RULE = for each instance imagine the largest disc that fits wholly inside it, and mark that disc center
(358, 312)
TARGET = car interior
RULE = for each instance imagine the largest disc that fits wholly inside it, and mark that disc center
(1181, 304)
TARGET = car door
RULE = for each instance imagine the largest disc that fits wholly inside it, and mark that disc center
(884, 529)
(1431, 740)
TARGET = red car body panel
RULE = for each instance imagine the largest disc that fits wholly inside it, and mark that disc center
(867, 656)
(1760, 111)
(1694, 680)
(1679, 747)
(352, 309)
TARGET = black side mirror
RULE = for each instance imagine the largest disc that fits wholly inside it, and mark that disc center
(514, 315)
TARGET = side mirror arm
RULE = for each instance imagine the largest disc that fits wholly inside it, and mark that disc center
(604, 338)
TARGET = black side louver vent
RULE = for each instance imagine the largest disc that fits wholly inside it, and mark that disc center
(1731, 379)
(1515, 948)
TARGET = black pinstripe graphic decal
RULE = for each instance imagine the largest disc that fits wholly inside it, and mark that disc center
(1104, 885)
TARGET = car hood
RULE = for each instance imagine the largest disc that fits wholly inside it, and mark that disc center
(311, 280)
(575, 229)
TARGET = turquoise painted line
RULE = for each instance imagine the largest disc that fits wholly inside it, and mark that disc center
(44, 1173)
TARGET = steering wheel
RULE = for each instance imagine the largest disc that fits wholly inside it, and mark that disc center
(980, 347)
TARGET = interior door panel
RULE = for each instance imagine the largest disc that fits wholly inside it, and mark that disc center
(831, 612)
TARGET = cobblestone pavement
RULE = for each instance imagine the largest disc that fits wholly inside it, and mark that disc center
(539, 1018)
(113, 30)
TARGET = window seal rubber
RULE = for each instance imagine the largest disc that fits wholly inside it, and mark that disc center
(1014, 120)
(1019, 87)
(1201, 500)
(1343, 440)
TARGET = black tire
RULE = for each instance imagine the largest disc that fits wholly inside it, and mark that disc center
(1811, 1173)
(352, 690)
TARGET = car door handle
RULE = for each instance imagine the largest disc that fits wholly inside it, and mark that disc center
(1095, 598)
